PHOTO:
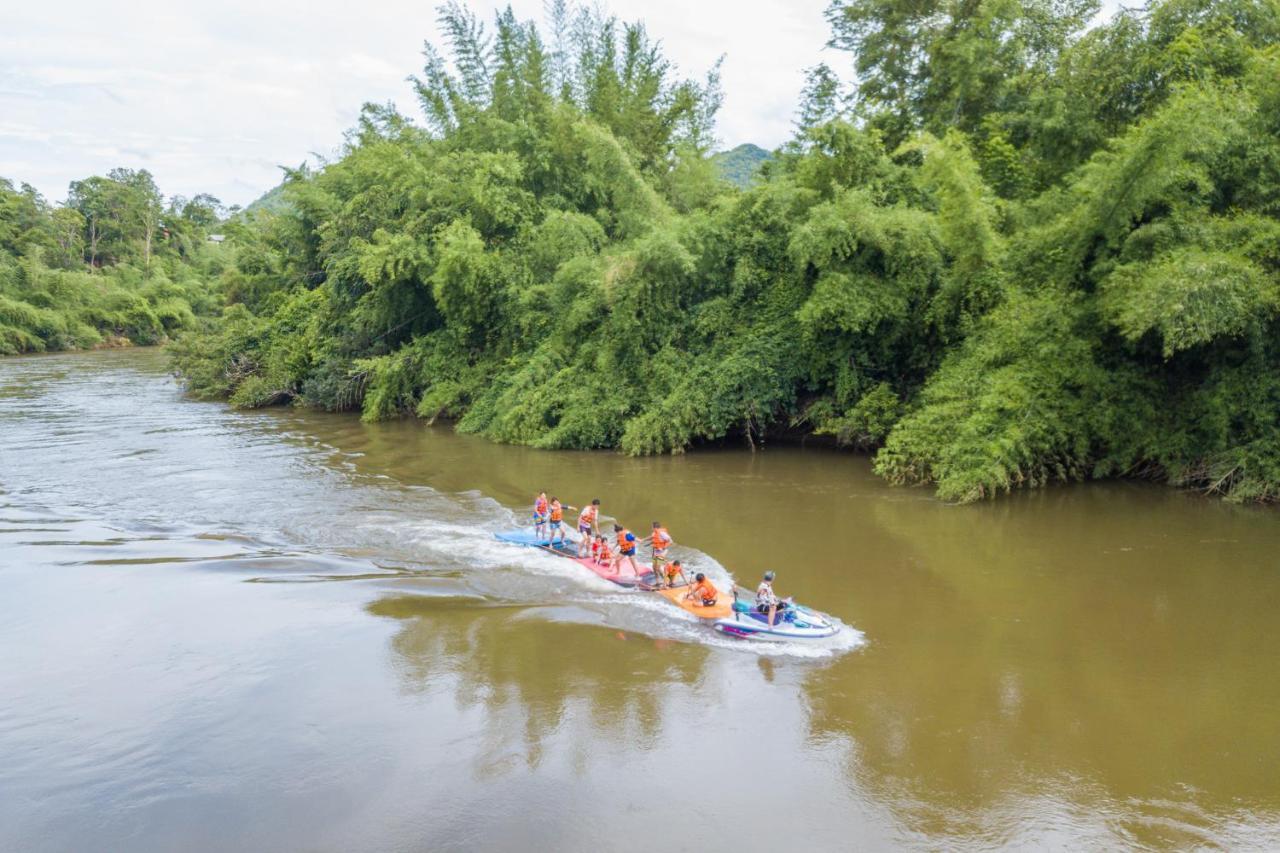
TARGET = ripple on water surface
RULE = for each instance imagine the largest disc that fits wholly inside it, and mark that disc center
(274, 630)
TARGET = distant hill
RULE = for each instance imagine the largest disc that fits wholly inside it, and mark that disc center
(739, 165)
(272, 201)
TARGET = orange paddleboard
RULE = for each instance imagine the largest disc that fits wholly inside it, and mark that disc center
(722, 609)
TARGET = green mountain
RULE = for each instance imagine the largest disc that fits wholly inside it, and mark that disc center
(739, 165)
(272, 201)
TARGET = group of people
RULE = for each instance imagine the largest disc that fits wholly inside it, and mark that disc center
(548, 523)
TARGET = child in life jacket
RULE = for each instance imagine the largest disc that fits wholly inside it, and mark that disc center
(603, 554)
(557, 521)
(626, 550)
(540, 510)
(659, 541)
(588, 526)
(704, 592)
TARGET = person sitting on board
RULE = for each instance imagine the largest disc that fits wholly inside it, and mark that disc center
(595, 548)
(557, 521)
(660, 541)
(766, 600)
(540, 516)
(674, 570)
(588, 526)
(626, 550)
(603, 556)
(704, 591)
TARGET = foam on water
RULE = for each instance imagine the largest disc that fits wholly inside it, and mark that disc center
(649, 614)
(428, 531)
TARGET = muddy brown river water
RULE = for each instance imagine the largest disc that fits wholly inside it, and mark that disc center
(288, 630)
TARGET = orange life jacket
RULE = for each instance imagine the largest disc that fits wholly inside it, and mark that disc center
(588, 514)
(605, 553)
(705, 591)
(540, 506)
(557, 511)
(623, 544)
(661, 538)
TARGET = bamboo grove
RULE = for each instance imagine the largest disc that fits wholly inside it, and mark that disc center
(1026, 247)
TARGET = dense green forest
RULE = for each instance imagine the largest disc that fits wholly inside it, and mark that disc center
(740, 166)
(1024, 247)
(115, 264)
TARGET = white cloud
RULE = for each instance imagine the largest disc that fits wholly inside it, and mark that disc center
(23, 132)
(369, 66)
(213, 97)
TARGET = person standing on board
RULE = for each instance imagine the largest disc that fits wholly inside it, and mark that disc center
(557, 521)
(540, 516)
(659, 541)
(588, 526)
(626, 550)
(766, 600)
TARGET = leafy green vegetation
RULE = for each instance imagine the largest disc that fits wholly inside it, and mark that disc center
(739, 166)
(1021, 251)
(113, 265)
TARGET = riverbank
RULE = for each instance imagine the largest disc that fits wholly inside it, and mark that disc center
(1208, 479)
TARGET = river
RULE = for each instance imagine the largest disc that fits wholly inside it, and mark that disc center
(291, 630)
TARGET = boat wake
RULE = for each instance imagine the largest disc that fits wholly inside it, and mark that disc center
(243, 494)
(420, 533)
(644, 612)
(653, 617)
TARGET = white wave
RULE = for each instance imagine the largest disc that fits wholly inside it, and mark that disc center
(628, 611)
(418, 526)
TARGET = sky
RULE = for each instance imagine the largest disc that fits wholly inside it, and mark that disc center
(217, 96)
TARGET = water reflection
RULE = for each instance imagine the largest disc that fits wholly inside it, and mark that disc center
(523, 675)
(1065, 655)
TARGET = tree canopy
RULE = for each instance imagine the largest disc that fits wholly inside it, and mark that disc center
(1020, 249)
(113, 264)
